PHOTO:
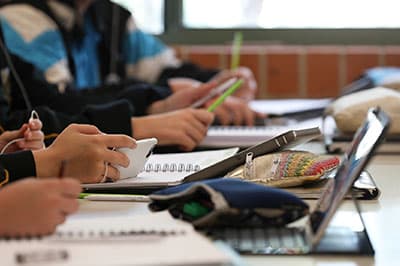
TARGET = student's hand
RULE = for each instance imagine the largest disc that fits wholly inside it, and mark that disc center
(33, 207)
(182, 98)
(248, 89)
(82, 152)
(186, 127)
(235, 111)
(31, 134)
(177, 84)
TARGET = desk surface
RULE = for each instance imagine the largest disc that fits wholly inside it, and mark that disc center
(382, 219)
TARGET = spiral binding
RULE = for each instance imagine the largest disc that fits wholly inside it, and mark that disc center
(171, 167)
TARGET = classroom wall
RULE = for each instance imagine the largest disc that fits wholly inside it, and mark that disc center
(297, 71)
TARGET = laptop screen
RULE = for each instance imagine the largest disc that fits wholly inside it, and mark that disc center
(364, 143)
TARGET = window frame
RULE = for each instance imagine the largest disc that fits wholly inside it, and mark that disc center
(176, 33)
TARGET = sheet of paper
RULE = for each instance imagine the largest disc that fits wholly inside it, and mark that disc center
(288, 106)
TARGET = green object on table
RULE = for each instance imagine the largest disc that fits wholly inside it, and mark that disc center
(195, 209)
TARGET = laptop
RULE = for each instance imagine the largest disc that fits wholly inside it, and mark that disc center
(315, 236)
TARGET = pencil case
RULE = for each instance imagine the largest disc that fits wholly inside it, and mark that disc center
(229, 202)
(285, 169)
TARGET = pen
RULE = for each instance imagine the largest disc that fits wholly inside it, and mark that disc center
(227, 93)
(236, 45)
(214, 92)
(114, 197)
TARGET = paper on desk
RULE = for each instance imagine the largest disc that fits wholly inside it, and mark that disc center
(288, 106)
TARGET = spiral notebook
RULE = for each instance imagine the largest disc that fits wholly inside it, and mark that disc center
(169, 168)
(115, 239)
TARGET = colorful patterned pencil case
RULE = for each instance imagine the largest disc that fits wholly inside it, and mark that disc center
(285, 169)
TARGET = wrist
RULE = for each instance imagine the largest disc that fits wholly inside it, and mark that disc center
(157, 107)
(47, 162)
(140, 128)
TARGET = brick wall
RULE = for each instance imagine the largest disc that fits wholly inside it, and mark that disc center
(298, 71)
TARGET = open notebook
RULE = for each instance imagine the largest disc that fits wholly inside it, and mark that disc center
(169, 168)
(115, 238)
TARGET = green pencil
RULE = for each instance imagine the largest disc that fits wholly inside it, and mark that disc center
(227, 93)
(235, 54)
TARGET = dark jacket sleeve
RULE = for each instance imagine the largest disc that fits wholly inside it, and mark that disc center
(187, 70)
(139, 94)
(15, 166)
(114, 117)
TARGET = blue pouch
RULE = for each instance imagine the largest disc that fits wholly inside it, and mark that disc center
(229, 202)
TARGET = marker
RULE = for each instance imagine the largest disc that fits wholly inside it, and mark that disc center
(236, 45)
(227, 93)
(214, 92)
(114, 197)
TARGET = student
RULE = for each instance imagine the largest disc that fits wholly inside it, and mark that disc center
(60, 80)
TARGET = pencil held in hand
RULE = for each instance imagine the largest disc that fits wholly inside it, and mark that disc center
(236, 45)
(227, 93)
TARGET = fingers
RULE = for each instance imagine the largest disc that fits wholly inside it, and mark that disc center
(223, 114)
(7, 136)
(118, 141)
(35, 124)
(203, 116)
(84, 129)
(36, 135)
(204, 89)
(67, 206)
(113, 173)
(69, 187)
(116, 158)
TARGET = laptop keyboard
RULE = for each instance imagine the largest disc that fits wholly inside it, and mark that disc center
(263, 240)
